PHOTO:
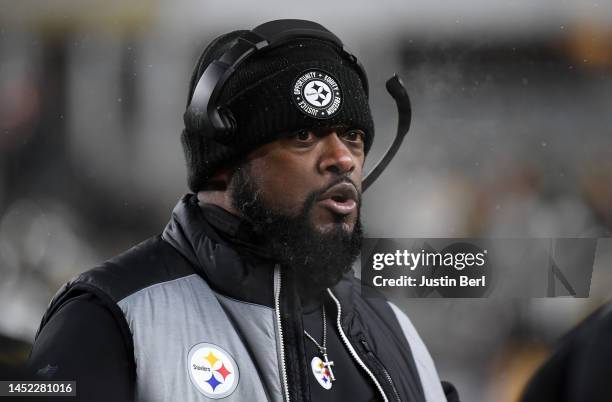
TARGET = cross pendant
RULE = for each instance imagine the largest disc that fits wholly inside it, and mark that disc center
(328, 365)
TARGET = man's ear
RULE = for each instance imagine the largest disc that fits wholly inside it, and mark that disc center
(219, 180)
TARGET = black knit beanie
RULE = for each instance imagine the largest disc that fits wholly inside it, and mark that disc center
(306, 83)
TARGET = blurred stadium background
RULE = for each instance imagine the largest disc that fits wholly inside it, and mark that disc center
(511, 137)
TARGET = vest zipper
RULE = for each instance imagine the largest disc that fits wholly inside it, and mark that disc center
(369, 352)
(352, 350)
(279, 327)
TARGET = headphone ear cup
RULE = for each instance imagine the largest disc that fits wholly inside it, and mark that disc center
(195, 123)
(225, 135)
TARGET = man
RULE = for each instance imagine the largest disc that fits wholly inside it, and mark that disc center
(579, 367)
(248, 295)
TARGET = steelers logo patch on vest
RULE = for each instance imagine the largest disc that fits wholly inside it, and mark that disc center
(212, 370)
(317, 94)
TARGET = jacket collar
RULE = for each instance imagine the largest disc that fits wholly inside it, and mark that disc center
(222, 249)
(227, 254)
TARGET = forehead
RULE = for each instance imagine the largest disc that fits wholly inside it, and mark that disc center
(324, 129)
(339, 128)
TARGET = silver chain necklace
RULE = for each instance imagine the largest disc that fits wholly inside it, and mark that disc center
(327, 364)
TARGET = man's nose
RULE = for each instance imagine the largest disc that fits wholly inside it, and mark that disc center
(336, 156)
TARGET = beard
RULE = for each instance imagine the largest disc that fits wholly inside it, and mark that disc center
(319, 259)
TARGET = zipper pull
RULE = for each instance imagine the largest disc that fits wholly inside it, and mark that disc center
(366, 346)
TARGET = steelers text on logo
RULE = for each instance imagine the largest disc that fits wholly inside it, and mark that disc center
(212, 370)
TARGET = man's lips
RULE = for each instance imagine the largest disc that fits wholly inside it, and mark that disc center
(340, 199)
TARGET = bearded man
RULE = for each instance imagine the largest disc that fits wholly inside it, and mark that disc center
(248, 293)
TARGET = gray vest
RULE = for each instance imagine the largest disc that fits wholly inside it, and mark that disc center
(169, 320)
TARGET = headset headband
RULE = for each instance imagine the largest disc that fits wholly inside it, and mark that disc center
(220, 123)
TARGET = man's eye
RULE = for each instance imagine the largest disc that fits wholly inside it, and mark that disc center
(354, 135)
(303, 135)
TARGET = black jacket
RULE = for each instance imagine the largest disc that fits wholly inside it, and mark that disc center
(197, 287)
(579, 368)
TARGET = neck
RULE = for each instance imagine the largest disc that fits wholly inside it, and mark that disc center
(310, 296)
(219, 198)
(310, 300)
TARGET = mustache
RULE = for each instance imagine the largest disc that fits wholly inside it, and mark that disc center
(313, 196)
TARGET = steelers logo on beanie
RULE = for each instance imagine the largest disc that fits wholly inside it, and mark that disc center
(317, 94)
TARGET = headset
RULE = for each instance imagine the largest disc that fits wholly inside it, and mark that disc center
(219, 123)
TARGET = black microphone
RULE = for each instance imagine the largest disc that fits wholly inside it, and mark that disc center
(396, 89)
